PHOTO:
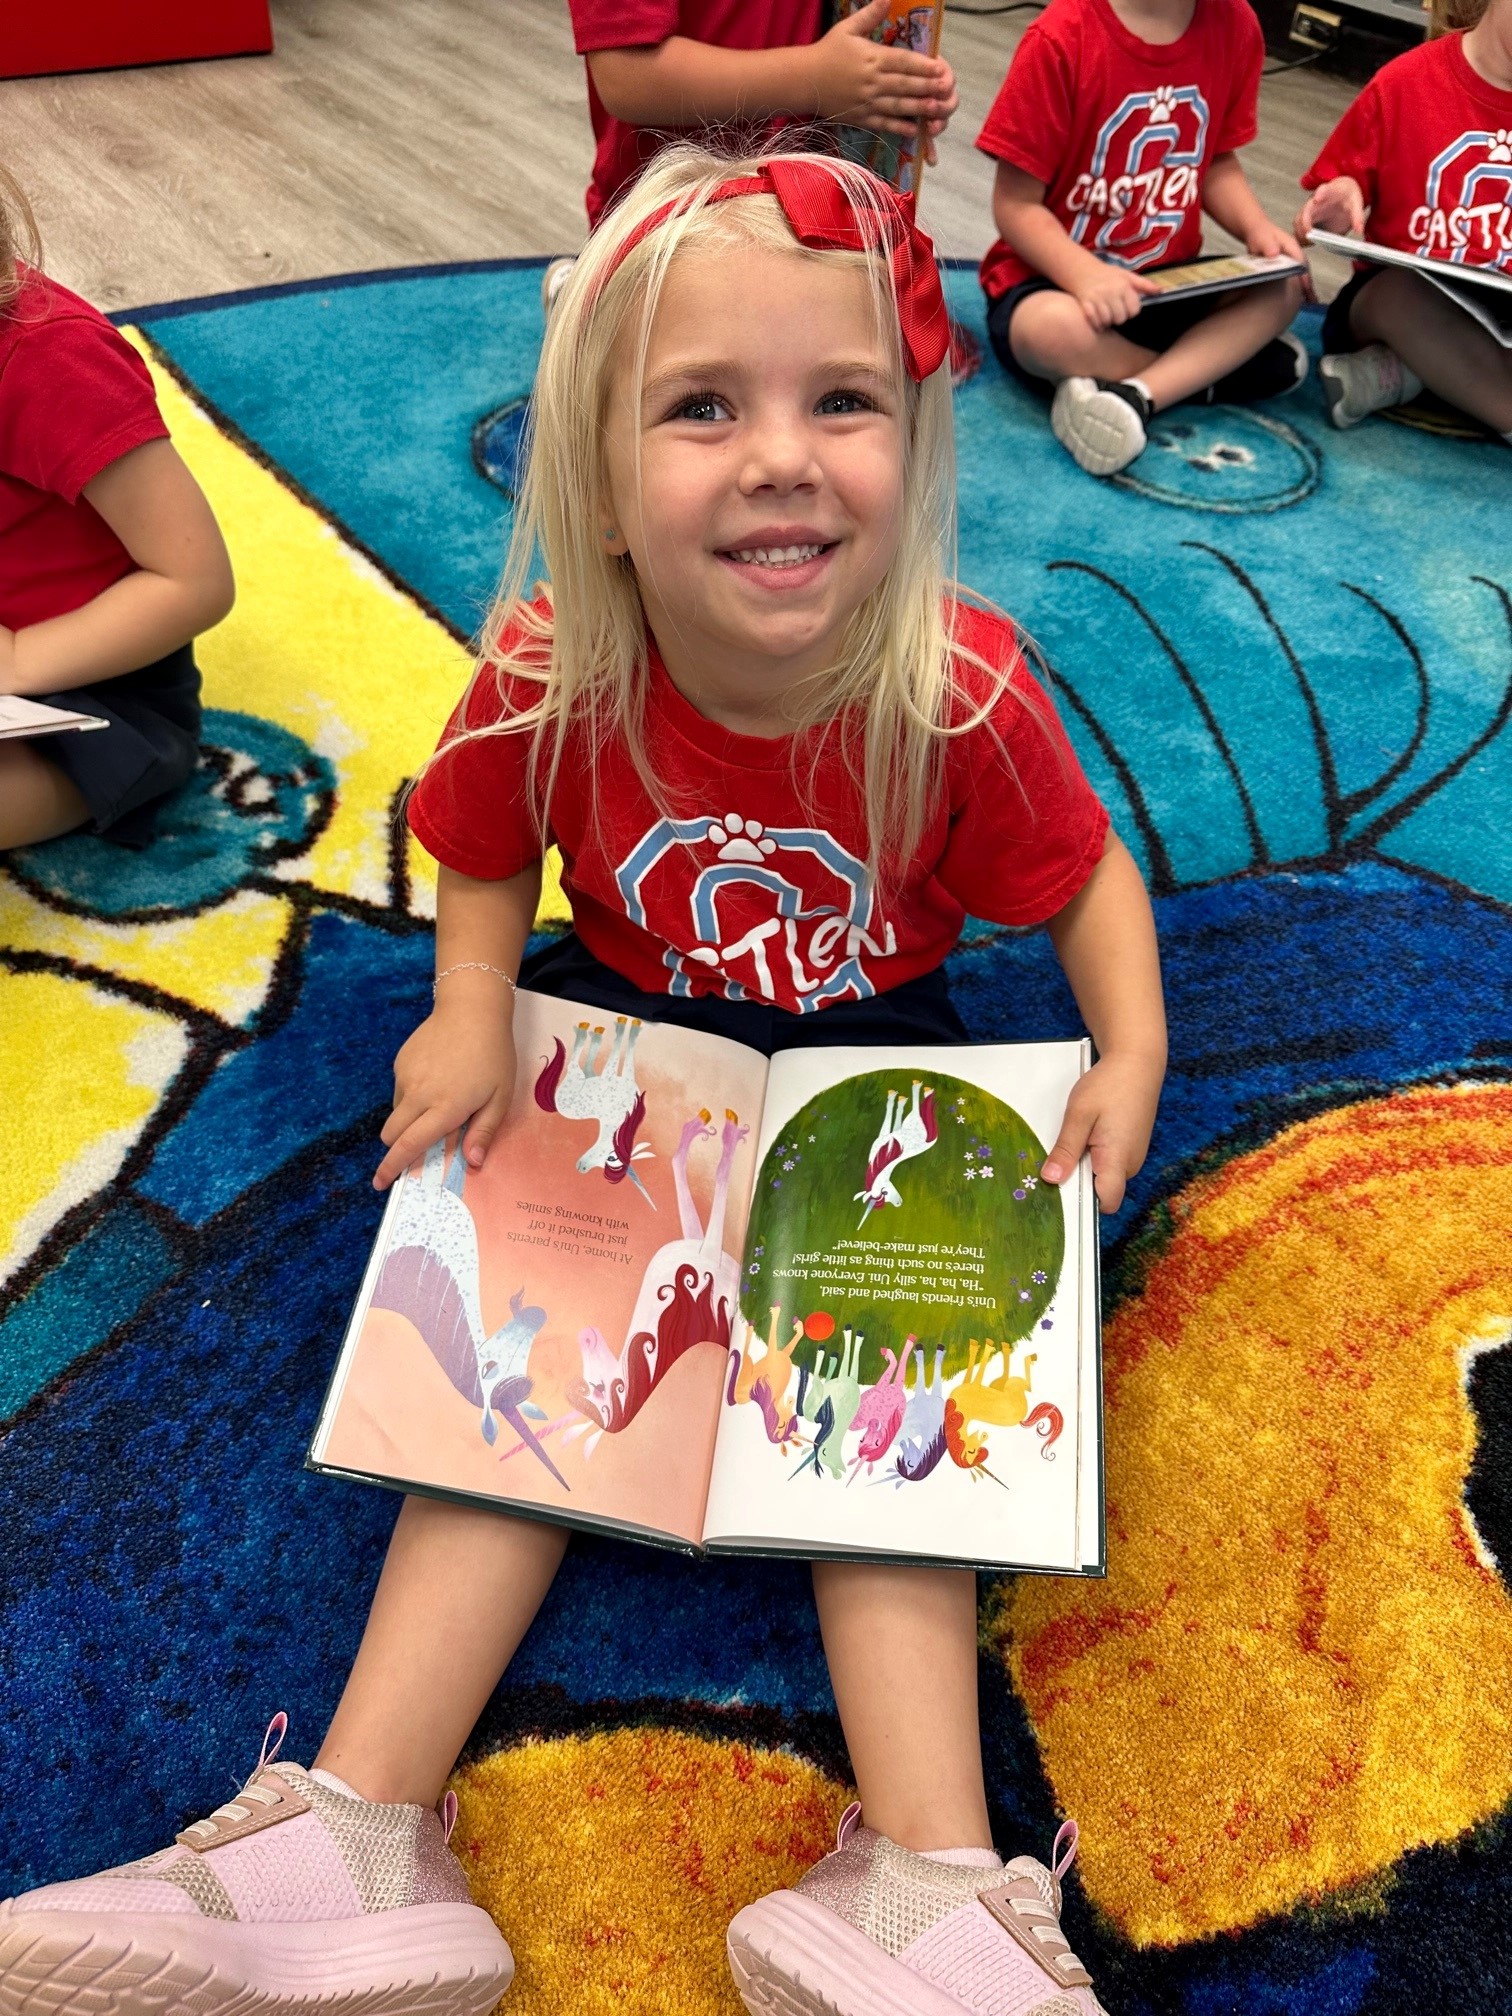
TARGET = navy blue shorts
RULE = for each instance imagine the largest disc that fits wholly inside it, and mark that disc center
(917, 1011)
(149, 748)
(1338, 337)
(1154, 328)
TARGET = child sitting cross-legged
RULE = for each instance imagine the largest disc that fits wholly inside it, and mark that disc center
(741, 483)
(1426, 151)
(1114, 131)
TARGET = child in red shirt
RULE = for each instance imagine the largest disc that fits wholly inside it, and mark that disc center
(1115, 129)
(1422, 162)
(780, 762)
(659, 68)
(110, 563)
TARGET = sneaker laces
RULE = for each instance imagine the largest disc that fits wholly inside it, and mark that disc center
(265, 1797)
(1028, 1904)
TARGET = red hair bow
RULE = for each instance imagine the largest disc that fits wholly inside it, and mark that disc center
(821, 213)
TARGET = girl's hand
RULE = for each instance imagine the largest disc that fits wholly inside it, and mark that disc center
(1112, 295)
(1112, 1110)
(1333, 206)
(868, 84)
(458, 1067)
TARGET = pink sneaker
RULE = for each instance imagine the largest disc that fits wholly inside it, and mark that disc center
(875, 1930)
(293, 1895)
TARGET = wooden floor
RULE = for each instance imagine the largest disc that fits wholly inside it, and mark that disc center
(404, 132)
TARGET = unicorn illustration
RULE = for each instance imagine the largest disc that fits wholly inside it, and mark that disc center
(430, 1276)
(906, 1130)
(580, 1088)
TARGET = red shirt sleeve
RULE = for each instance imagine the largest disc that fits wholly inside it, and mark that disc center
(1353, 147)
(1031, 116)
(472, 808)
(1026, 828)
(74, 397)
(1241, 118)
(621, 24)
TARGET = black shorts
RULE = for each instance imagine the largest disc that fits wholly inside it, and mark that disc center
(150, 748)
(1154, 328)
(1338, 337)
(917, 1011)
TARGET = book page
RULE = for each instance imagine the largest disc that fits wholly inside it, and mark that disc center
(19, 716)
(1216, 272)
(552, 1330)
(918, 1317)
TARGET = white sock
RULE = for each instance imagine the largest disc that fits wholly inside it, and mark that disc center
(965, 1858)
(334, 1784)
(1141, 387)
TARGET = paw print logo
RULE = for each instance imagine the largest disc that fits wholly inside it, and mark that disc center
(1501, 146)
(1163, 106)
(740, 839)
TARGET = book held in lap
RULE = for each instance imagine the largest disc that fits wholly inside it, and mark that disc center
(821, 1304)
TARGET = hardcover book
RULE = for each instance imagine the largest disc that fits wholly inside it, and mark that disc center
(821, 1305)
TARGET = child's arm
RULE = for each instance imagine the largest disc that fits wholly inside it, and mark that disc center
(1334, 206)
(1105, 940)
(1229, 200)
(182, 585)
(459, 1065)
(1108, 294)
(844, 75)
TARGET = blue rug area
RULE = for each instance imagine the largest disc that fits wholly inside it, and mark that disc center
(1286, 658)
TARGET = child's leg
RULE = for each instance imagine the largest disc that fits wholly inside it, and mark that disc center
(37, 802)
(1213, 347)
(1051, 336)
(1448, 349)
(457, 1594)
(902, 1651)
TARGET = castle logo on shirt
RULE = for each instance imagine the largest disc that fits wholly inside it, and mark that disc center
(783, 915)
(1145, 176)
(1467, 214)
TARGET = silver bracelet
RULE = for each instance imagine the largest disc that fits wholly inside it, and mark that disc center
(473, 966)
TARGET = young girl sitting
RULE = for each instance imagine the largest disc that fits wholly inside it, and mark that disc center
(110, 562)
(1422, 161)
(741, 482)
(1116, 128)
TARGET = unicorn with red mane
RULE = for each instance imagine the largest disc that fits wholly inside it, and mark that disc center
(580, 1088)
(906, 1130)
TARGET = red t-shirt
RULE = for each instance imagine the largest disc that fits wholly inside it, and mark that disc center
(1430, 143)
(74, 397)
(758, 890)
(1121, 131)
(623, 150)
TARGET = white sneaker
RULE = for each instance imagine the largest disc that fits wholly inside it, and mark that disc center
(1357, 383)
(1100, 422)
(554, 279)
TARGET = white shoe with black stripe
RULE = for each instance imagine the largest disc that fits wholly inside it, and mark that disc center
(1101, 422)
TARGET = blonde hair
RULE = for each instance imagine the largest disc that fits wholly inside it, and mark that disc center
(892, 694)
(20, 242)
(1444, 16)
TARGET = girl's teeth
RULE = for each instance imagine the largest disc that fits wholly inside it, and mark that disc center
(776, 556)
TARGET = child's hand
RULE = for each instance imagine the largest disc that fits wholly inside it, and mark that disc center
(868, 84)
(1267, 240)
(458, 1067)
(1112, 1110)
(1113, 294)
(1334, 206)
(7, 659)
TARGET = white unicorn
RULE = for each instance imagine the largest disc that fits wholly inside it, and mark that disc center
(906, 1131)
(580, 1088)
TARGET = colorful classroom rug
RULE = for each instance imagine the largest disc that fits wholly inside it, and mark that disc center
(1284, 1721)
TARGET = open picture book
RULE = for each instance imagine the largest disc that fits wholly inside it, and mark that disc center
(822, 1305)
(1482, 291)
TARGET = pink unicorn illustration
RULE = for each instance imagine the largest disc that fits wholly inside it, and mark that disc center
(688, 1295)
(579, 1088)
